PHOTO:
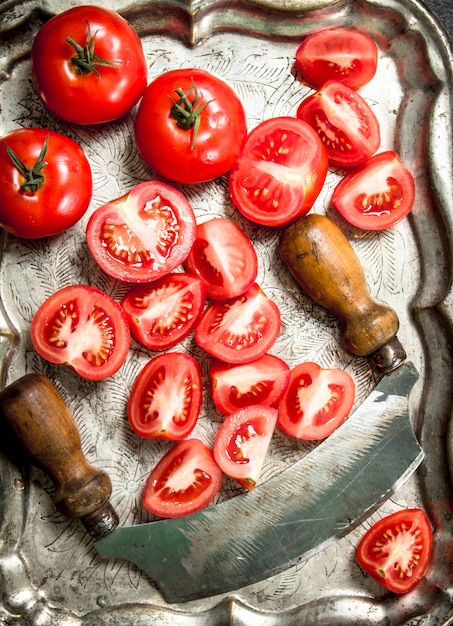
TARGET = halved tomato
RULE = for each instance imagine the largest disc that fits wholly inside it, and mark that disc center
(83, 328)
(279, 173)
(241, 329)
(344, 54)
(344, 121)
(164, 312)
(316, 402)
(184, 481)
(376, 194)
(165, 399)
(242, 442)
(235, 387)
(396, 550)
(224, 258)
(144, 234)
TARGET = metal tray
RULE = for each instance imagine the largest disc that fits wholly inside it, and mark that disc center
(49, 571)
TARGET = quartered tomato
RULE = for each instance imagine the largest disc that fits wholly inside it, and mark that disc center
(83, 328)
(185, 480)
(235, 387)
(376, 194)
(344, 121)
(190, 126)
(224, 258)
(241, 329)
(396, 550)
(165, 400)
(242, 442)
(316, 402)
(344, 54)
(88, 65)
(164, 312)
(279, 173)
(142, 235)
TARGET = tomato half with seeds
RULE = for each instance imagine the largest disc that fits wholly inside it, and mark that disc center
(143, 235)
(241, 329)
(377, 194)
(166, 397)
(235, 387)
(344, 121)
(185, 480)
(83, 328)
(224, 258)
(316, 401)
(345, 54)
(242, 442)
(279, 173)
(396, 550)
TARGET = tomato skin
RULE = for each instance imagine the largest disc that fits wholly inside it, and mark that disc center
(253, 312)
(397, 549)
(143, 235)
(63, 197)
(224, 258)
(86, 98)
(279, 173)
(168, 148)
(184, 481)
(235, 387)
(344, 54)
(344, 122)
(83, 328)
(376, 194)
(166, 397)
(316, 401)
(242, 442)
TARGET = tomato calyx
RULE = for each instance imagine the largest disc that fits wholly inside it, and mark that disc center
(187, 112)
(34, 178)
(86, 60)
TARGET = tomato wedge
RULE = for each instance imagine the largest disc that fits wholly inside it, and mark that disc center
(242, 442)
(224, 258)
(279, 173)
(396, 550)
(184, 481)
(164, 312)
(344, 54)
(316, 402)
(166, 397)
(241, 329)
(142, 235)
(377, 194)
(235, 387)
(83, 328)
(344, 121)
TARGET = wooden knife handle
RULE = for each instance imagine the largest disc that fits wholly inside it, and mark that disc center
(325, 265)
(37, 415)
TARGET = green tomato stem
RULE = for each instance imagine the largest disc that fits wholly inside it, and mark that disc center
(34, 178)
(86, 60)
(187, 112)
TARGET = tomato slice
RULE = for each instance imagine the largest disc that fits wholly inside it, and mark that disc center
(343, 54)
(144, 234)
(242, 442)
(184, 481)
(166, 397)
(396, 550)
(377, 194)
(224, 258)
(164, 312)
(241, 329)
(344, 121)
(279, 173)
(316, 402)
(235, 387)
(83, 328)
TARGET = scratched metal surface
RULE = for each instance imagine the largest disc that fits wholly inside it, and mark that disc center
(49, 571)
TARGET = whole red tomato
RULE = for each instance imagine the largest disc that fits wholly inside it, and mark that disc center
(88, 65)
(45, 182)
(190, 126)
